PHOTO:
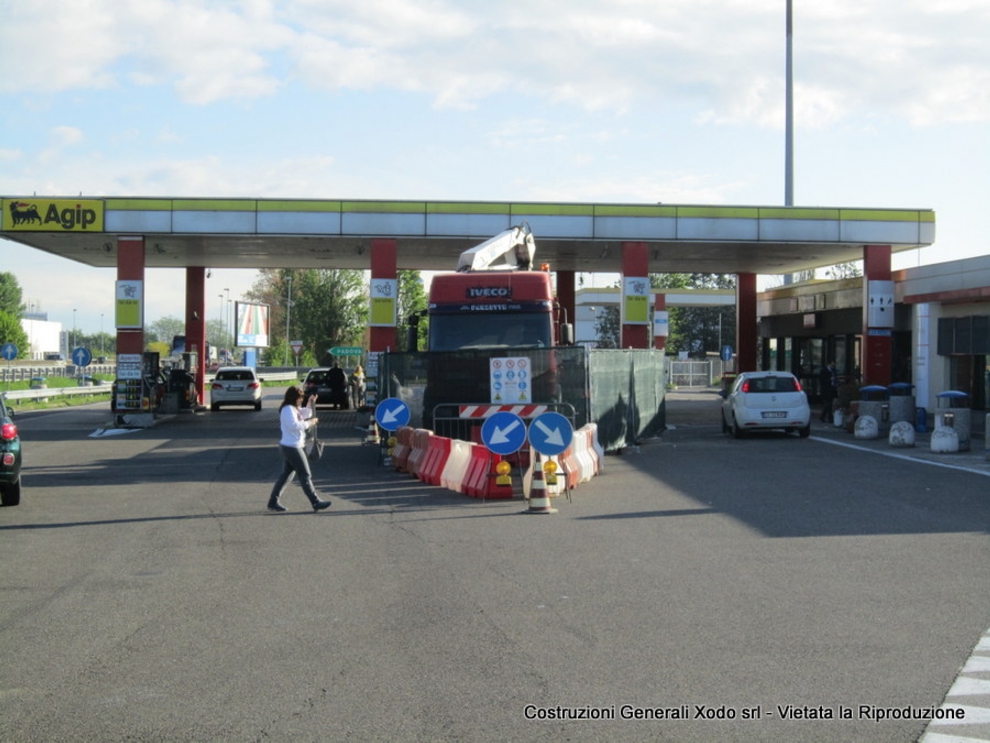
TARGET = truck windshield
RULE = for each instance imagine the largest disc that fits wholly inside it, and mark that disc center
(478, 330)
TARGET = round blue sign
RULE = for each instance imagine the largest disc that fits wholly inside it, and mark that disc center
(503, 433)
(392, 414)
(550, 434)
(81, 356)
(9, 351)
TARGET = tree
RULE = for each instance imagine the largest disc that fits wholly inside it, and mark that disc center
(411, 300)
(844, 271)
(164, 329)
(12, 332)
(328, 307)
(11, 297)
(608, 327)
(698, 330)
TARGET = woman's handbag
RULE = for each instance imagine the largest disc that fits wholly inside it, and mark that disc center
(315, 451)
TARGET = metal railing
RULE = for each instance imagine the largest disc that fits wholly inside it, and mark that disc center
(41, 394)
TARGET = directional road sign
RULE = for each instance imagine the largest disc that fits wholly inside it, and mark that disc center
(550, 433)
(81, 356)
(392, 414)
(9, 351)
(504, 433)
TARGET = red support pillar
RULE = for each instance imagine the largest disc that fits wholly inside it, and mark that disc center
(746, 322)
(877, 336)
(635, 264)
(130, 267)
(383, 266)
(565, 297)
(660, 305)
(196, 323)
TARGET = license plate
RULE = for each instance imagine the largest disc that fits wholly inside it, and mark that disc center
(774, 414)
(240, 388)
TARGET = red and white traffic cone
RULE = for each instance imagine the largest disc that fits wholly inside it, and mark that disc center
(372, 437)
(539, 498)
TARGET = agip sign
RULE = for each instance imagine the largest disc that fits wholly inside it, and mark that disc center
(52, 215)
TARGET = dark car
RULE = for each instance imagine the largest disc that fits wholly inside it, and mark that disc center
(329, 385)
(10, 458)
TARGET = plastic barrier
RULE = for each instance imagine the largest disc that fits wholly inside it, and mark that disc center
(598, 451)
(403, 448)
(436, 458)
(455, 469)
(421, 443)
(477, 471)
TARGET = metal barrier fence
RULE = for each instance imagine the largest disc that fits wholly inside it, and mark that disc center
(464, 422)
(19, 373)
(620, 390)
(691, 373)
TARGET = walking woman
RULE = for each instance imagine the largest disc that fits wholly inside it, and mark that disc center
(295, 420)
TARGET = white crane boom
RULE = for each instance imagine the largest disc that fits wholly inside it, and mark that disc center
(515, 241)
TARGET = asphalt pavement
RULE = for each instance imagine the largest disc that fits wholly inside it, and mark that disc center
(700, 588)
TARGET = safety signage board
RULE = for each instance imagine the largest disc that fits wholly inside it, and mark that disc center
(504, 433)
(392, 414)
(9, 351)
(81, 356)
(550, 434)
(510, 380)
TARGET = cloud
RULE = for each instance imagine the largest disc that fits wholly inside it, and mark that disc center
(922, 60)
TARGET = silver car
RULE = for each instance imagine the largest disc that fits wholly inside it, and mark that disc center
(235, 385)
(760, 401)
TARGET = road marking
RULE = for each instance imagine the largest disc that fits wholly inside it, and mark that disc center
(902, 456)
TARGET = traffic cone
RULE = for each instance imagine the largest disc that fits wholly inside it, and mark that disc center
(539, 500)
(372, 437)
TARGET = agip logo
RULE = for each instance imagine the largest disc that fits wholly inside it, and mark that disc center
(53, 215)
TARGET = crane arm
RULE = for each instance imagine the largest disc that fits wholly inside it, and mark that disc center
(515, 242)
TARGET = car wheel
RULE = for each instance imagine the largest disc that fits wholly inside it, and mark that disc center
(725, 426)
(737, 432)
(10, 495)
(805, 432)
(257, 405)
(215, 407)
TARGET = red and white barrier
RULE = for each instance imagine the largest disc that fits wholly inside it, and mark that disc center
(436, 457)
(421, 443)
(402, 448)
(469, 468)
(455, 469)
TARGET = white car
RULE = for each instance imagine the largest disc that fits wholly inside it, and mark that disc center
(760, 401)
(235, 385)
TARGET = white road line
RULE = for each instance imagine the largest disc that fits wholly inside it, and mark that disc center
(902, 456)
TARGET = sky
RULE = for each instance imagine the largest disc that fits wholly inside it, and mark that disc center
(621, 101)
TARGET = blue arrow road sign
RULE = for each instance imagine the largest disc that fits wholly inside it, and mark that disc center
(81, 356)
(9, 351)
(550, 433)
(503, 433)
(392, 414)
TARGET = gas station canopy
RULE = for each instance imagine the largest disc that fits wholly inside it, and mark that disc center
(281, 233)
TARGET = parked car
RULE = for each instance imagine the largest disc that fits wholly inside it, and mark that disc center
(235, 385)
(10, 458)
(329, 385)
(760, 401)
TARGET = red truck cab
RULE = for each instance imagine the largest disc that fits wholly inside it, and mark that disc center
(491, 309)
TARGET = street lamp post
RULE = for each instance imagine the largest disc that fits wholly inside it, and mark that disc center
(222, 339)
(73, 343)
(288, 311)
(102, 340)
